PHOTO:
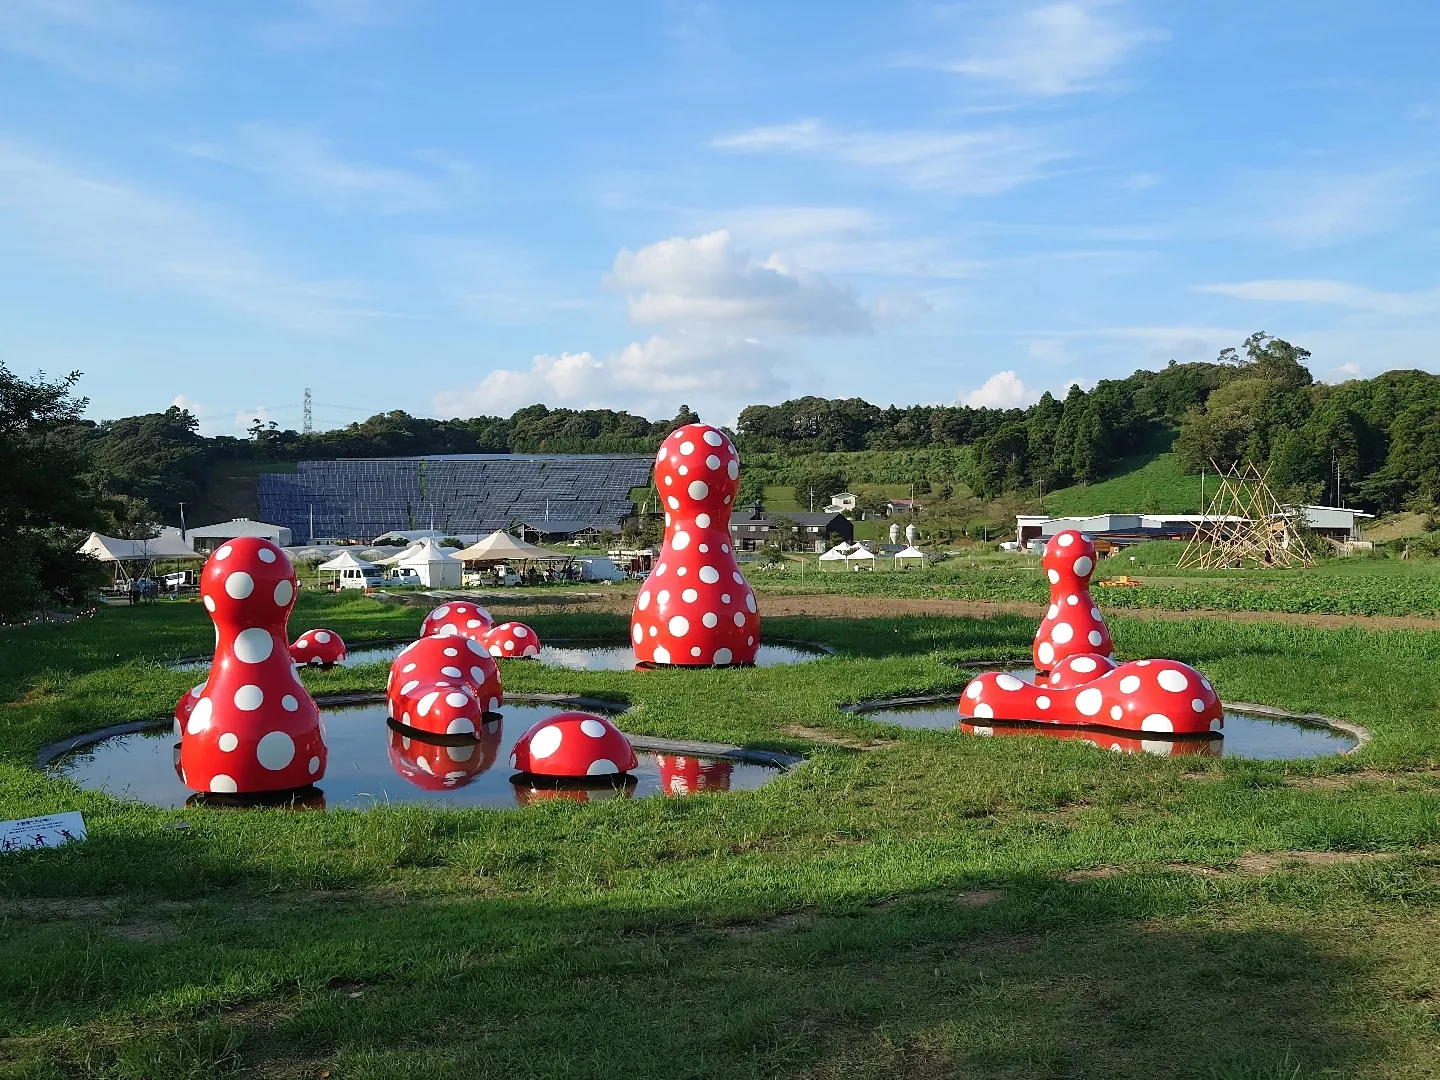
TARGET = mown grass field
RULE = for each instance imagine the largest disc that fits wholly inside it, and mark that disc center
(904, 904)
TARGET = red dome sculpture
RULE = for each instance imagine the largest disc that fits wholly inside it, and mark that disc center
(684, 775)
(442, 663)
(1073, 623)
(254, 727)
(442, 767)
(439, 710)
(574, 744)
(511, 639)
(461, 617)
(1106, 740)
(1163, 696)
(695, 609)
(318, 646)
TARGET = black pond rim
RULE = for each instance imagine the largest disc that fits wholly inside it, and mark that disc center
(1361, 735)
(773, 759)
(602, 643)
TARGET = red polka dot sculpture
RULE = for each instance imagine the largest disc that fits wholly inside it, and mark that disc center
(681, 775)
(1073, 624)
(511, 639)
(1078, 670)
(254, 727)
(442, 767)
(1162, 696)
(183, 708)
(318, 646)
(695, 609)
(574, 745)
(465, 619)
(1108, 740)
(444, 685)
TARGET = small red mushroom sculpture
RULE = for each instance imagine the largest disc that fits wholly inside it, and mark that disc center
(318, 646)
(437, 766)
(1073, 623)
(695, 609)
(511, 639)
(574, 745)
(1161, 696)
(444, 685)
(463, 618)
(681, 774)
(254, 727)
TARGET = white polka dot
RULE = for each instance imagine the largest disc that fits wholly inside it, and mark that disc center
(663, 597)
(451, 652)
(453, 672)
(695, 651)
(200, 717)
(723, 656)
(1116, 712)
(521, 631)
(284, 592)
(702, 520)
(1172, 680)
(679, 626)
(475, 647)
(423, 708)
(253, 645)
(495, 650)
(1089, 700)
(709, 575)
(687, 448)
(594, 728)
(1095, 637)
(1065, 539)
(1054, 576)
(229, 741)
(1129, 684)
(710, 618)
(690, 596)
(734, 470)
(643, 600)
(249, 697)
(725, 598)
(1072, 599)
(984, 711)
(457, 699)
(704, 548)
(275, 751)
(1046, 652)
(1197, 704)
(239, 585)
(637, 633)
(440, 612)
(662, 654)
(289, 703)
(1095, 614)
(1206, 684)
(673, 502)
(223, 553)
(1156, 722)
(266, 555)
(654, 630)
(509, 646)
(322, 636)
(409, 686)
(1142, 663)
(738, 579)
(601, 767)
(698, 489)
(222, 784)
(314, 765)
(1083, 664)
(461, 725)
(682, 571)
(1042, 702)
(739, 618)
(681, 540)
(713, 437)
(209, 603)
(1006, 681)
(545, 741)
(750, 601)
(1083, 565)
(712, 462)
(1062, 632)
(974, 690)
(1054, 610)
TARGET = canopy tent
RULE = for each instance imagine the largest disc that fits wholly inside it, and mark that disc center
(861, 554)
(500, 546)
(911, 554)
(436, 568)
(121, 552)
(837, 554)
(342, 562)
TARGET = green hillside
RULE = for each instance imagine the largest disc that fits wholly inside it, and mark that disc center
(1148, 483)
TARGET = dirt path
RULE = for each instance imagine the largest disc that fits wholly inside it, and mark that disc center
(833, 606)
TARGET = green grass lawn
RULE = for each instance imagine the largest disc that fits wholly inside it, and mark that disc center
(1142, 485)
(904, 904)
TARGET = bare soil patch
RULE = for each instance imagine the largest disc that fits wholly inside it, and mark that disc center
(833, 738)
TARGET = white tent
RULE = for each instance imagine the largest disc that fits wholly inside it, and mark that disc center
(859, 555)
(348, 561)
(500, 546)
(836, 554)
(124, 553)
(435, 567)
(911, 554)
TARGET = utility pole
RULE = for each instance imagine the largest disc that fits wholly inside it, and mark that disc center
(306, 420)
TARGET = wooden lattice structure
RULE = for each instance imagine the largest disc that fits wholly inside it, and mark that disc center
(1245, 526)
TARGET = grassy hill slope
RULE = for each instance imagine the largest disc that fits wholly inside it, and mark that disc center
(1150, 483)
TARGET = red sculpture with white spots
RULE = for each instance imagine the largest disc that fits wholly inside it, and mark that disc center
(318, 646)
(512, 639)
(695, 609)
(253, 726)
(444, 685)
(442, 767)
(574, 745)
(684, 775)
(465, 619)
(1162, 696)
(1073, 624)
(1106, 740)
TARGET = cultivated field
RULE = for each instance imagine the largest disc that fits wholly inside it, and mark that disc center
(903, 904)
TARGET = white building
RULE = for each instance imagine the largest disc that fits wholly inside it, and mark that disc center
(210, 537)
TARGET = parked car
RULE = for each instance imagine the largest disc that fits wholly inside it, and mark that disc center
(403, 575)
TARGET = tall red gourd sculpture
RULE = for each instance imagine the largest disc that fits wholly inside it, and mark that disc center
(253, 727)
(695, 609)
(1073, 624)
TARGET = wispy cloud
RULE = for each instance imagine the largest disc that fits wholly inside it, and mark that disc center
(1320, 208)
(145, 241)
(321, 22)
(957, 162)
(107, 41)
(1047, 49)
(1336, 293)
(302, 163)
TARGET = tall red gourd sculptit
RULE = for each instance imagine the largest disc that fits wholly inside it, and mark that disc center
(1073, 625)
(695, 609)
(253, 727)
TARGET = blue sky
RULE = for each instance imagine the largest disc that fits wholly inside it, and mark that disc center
(460, 208)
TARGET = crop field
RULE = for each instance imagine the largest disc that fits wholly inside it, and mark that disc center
(902, 904)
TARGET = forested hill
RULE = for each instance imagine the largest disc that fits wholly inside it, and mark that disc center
(1380, 436)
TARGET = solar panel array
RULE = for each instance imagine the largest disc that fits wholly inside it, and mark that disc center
(459, 493)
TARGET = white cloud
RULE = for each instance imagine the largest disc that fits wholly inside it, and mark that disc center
(1337, 293)
(139, 240)
(901, 307)
(1049, 350)
(707, 280)
(1003, 390)
(715, 376)
(299, 162)
(109, 41)
(1051, 49)
(1320, 209)
(320, 22)
(1344, 372)
(957, 162)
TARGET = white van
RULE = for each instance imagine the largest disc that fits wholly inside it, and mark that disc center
(354, 577)
(600, 568)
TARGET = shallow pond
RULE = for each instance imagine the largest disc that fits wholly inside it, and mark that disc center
(1245, 736)
(372, 762)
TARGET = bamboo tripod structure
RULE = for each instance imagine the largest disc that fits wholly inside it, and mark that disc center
(1262, 533)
